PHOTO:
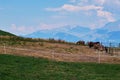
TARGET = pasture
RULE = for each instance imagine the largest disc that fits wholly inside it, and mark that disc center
(29, 68)
(57, 51)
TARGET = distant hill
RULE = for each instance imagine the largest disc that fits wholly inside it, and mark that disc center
(66, 37)
(110, 32)
(4, 33)
(57, 35)
(64, 33)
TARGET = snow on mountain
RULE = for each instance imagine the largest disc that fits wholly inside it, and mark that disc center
(110, 31)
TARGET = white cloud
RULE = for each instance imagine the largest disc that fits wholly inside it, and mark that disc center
(72, 8)
(106, 15)
(98, 24)
(89, 9)
(44, 26)
(93, 26)
(95, 2)
(88, 2)
(75, 8)
(21, 29)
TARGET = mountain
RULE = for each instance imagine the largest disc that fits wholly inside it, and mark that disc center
(112, 26)
(67, 37)
(41, 34)
(4, 33)
(54, 34)
(115, 36)
(79, 29)
(110, 32)
(66, 33)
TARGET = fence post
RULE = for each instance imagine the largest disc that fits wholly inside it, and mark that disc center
(4, 49)
(99, 57)
(110, 49)
(53, 55)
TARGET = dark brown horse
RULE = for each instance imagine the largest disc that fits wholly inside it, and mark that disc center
(96, 45)
(80, 43)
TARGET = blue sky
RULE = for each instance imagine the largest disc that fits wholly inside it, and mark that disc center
(27, 16)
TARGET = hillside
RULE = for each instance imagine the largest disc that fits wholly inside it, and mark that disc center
(59, 51)
(4, 33)
(54, 49)
(30, 68)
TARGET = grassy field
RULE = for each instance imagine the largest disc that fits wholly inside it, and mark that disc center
(30, 68)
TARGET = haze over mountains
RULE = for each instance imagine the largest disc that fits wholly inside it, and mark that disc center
(110, 32)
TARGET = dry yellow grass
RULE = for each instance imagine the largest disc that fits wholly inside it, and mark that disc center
(59, 52)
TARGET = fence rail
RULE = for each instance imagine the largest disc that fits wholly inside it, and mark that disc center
(99, 57)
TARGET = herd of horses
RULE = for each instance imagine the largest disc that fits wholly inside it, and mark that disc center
(95, 45)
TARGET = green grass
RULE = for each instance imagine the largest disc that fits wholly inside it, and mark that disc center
(3, 33)
(30, 68)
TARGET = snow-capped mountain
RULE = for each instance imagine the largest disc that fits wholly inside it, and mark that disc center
(64, 33)
(110, 32)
